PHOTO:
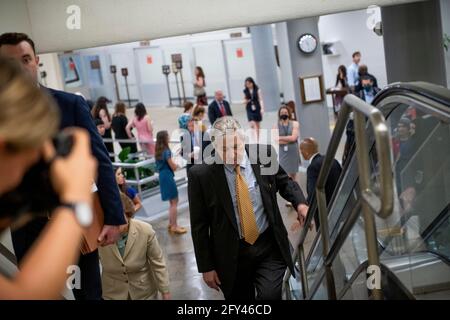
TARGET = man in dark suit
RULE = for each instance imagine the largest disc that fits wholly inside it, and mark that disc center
(193, 144)
(367, 93)
(240, 241)
(74, 112)
(310, 152)
(218, 108)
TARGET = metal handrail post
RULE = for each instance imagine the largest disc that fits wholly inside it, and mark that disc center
(362, 155)
(304, 276)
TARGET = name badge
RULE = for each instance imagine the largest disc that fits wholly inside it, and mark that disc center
(285, 148)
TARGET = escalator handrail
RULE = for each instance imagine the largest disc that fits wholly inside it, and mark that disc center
(435, 93)
(362, 267)
(439, 94)
(383, 205)
(5, 252)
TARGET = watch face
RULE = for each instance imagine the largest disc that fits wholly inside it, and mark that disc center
(84, 214)
(307, 43)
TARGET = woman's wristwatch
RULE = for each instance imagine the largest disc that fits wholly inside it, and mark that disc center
(82, 211)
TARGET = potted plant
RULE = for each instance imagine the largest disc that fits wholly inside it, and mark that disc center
(144, 171)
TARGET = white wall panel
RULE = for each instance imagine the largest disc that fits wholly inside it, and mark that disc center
(209, 55)
(153, 85)
(240, 64)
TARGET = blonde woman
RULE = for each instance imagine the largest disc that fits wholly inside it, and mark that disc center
(28, 120)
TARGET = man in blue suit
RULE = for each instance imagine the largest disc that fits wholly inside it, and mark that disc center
(218, 108)
(74, 113)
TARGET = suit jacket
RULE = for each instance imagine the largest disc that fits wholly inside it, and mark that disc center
(213, 222)
(312, 174)
(214, 111)
(142, 271)
(74, 112)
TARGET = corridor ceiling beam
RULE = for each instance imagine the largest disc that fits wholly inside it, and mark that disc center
(62, 25)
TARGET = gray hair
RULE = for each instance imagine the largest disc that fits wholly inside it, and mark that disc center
(223, 126)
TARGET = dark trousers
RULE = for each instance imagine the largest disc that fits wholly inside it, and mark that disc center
(260, 270)
(91, 286)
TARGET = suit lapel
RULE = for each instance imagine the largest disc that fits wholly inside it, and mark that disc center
(132, 234)
(223, 193)
(116, 252)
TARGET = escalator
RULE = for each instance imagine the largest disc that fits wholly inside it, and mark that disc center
(412, 238)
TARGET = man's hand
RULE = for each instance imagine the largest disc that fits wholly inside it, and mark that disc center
(109, 235)
(302, 211)
(212, 279)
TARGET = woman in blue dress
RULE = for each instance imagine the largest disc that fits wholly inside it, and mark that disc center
(166, 168)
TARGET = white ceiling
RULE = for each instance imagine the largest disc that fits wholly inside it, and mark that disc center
(116, 21)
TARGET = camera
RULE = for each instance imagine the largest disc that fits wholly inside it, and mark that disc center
(35, 194)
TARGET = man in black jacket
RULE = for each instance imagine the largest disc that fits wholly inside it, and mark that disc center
(74, 112)
(218, 108)
(240, 241)
(310, 152)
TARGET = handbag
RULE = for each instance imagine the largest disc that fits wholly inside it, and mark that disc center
(199, 91)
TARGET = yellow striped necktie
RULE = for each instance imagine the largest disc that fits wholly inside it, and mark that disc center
(245, 208)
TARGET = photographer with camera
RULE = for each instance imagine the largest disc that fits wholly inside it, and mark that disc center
(28, 121)
(74, 112)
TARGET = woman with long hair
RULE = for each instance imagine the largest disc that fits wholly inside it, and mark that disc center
(119, 125)
(254, 104)
(166, 168)
(100, 111)
(144, 127)
(128, 191)
(291, 106)
(199, 87)
(341, 85)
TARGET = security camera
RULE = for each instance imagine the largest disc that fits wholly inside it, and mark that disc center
(378, 29)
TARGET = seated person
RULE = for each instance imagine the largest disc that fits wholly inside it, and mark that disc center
(128, 191)
(310, 151)
(134, 268)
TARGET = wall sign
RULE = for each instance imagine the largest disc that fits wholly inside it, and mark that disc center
(239, 53)
(311, 89)
(149, 59)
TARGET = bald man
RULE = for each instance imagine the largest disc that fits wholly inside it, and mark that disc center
(309, 149)
(218, 108)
